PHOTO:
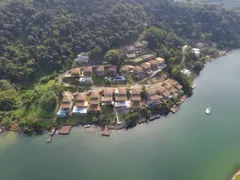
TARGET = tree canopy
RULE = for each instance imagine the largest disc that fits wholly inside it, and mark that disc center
(38, 37)
(8, 96)
(48, 100)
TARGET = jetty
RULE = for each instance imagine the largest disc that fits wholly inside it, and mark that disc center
(174, 109)
(106, 131)
(49, 139)
(142, 120)
(90, 129)
(65, 130)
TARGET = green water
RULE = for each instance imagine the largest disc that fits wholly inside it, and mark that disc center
(187, 146)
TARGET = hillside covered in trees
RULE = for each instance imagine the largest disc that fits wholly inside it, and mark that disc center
(234, 4)
(41, 36)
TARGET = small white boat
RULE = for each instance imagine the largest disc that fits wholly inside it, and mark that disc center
(87, 126)
(208, 110)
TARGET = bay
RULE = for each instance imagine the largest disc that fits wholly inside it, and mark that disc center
(186, 146)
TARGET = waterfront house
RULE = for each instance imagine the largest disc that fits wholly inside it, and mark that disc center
(135, 96)
(108, 96)
(196, 52)
(82, 57)
(94, 102)
(87, 71)
(159, 89)
(100, 71)
(75, 72)
(81, 105)
(146, 67)
(152, 98)
(130, 52)
(66, 105)
(138, 72)
(112, 70)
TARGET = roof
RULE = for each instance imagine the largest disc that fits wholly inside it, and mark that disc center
(138, 44)
(136, 94)
(136, 98)
(166, 93)
(87, 69)
(167, 85)
(160, 89)
(124, 68)
(112, 68)
(137, 70)
(122, 91)
(179, 86)
(130, 48)
(122, 94)
(94, 95)
(84, 53)
(152, 94)
(80, 103)
(160, 60)
(135, 91)
(66, 105)
(100, 69)
(67, 98)
(75, 71)
(94, 101)
(80, 97)
(173, 90)
(108, 92)
(146, 65)
(144, 42)
(173, 82)
(154, 62)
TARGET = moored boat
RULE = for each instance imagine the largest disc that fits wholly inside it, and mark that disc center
(87, 126)
(208, 110)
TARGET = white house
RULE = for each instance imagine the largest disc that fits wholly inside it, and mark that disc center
(83, 57)
(186, 72)
(196, 51)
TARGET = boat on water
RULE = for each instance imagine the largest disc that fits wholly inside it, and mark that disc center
(49, 139)
(87, 126)
(208, 110)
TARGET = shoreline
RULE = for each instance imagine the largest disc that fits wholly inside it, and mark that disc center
(174, 110)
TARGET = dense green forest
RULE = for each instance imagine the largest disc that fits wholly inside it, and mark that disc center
(234, 4)
(41, 36)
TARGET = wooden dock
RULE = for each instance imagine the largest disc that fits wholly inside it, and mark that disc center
(65, 130)
(106, 131)
(90, 129)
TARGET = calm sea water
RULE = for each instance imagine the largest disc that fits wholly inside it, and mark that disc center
(187, 146)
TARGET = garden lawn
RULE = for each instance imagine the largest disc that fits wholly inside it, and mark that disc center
(97, 80)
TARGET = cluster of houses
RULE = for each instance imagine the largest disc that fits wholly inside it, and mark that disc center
(137, 48)
(118, 76)
(84, 103)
